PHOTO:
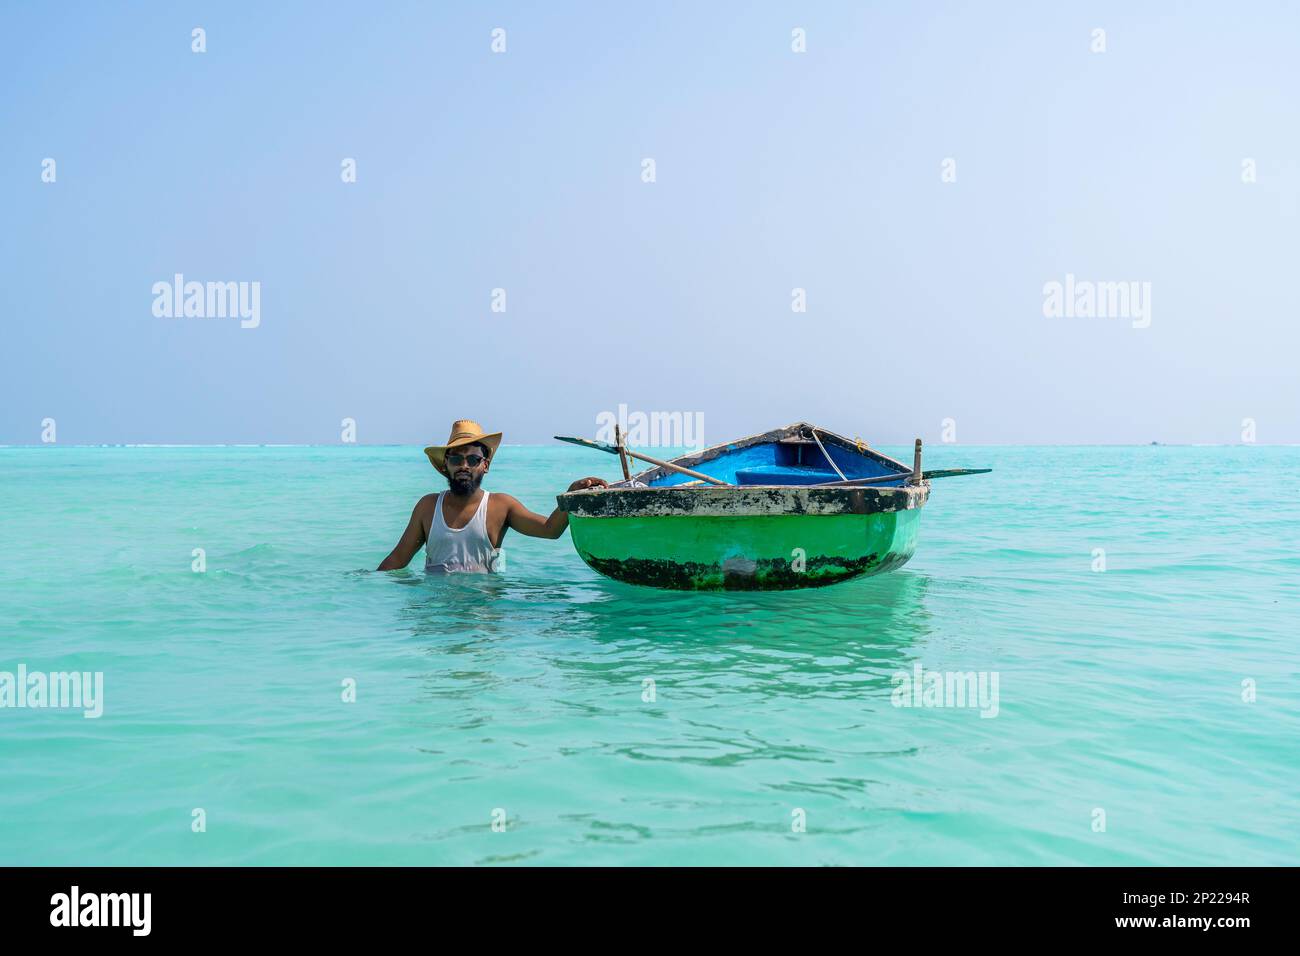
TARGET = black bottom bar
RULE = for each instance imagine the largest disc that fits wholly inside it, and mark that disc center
(337, 905)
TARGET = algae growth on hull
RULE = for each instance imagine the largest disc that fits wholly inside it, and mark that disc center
(768, 552)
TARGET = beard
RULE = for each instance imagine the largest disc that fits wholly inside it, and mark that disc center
(465, 485)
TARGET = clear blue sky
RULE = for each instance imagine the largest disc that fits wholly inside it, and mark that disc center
(775, 170)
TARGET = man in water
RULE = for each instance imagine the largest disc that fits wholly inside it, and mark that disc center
(462, 528)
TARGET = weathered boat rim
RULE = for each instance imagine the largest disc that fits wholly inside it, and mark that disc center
(740, 500)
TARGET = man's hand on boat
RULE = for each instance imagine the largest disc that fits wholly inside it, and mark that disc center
(582, 484)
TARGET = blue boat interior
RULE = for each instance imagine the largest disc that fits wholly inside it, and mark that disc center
(790, 461)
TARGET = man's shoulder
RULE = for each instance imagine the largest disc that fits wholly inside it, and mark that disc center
(427, 503)
(500, 499)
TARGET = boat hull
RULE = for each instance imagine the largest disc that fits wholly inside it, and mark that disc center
(745, 552)
(770, 516)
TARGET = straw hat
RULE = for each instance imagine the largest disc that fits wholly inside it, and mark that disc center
(463, 432)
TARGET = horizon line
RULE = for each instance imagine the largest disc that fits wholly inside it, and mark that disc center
(687, 447)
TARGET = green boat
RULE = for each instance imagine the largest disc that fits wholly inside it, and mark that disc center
(795, 507)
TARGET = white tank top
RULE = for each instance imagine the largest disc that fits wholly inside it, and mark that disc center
(460, 549)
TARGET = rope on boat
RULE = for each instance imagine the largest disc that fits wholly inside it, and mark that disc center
(813, 429)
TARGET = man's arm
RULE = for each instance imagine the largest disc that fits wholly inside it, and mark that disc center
(534, 525)
(411, 540)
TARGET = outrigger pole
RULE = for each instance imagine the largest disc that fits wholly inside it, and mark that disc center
(605, 446)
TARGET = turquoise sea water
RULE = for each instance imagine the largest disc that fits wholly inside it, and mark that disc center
(521, 695)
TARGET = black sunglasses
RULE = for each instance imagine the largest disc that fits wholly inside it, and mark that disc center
(472, 460)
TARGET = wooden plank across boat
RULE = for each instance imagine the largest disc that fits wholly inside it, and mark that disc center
(800, 507)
